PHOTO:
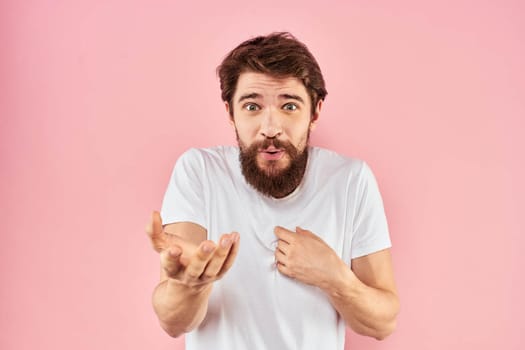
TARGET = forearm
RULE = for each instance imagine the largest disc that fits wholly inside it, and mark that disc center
(368, 311)
(179, 308)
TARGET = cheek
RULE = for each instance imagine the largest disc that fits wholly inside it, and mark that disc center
(246, 131)
(299, 136)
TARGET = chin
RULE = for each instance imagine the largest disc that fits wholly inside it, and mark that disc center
(273, 167)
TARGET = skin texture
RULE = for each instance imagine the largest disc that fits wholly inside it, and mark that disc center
(263, 107)
(364, 295)
(189, 266)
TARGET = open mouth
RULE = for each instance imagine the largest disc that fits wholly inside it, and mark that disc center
(272, 153)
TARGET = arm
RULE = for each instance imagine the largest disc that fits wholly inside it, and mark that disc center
(189, 266)
(365, 296)
(180, 308)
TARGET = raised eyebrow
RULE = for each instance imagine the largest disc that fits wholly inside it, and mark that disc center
(292, 97)
(253, 95)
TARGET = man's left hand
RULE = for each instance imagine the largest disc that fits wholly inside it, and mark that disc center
(305, 257)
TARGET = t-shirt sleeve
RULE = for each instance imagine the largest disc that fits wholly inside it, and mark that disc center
(184, 197)
(370, 228)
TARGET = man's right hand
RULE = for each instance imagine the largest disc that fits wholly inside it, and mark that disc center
(191, 265)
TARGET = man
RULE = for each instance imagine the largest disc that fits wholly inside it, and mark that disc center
(274, 244)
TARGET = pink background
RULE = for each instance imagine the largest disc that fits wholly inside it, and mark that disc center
(99, 98)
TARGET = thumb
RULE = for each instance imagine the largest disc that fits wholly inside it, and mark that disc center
(302, 231)
(156, 222)
(155, 232)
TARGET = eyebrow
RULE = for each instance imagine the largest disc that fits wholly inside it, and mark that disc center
(255, 95)
(292, 97)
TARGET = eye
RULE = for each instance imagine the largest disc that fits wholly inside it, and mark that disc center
(251, 107)
(290, 106)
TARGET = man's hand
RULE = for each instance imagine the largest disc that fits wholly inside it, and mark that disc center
(192, 265)
(307, 258)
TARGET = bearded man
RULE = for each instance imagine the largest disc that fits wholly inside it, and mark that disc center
(274, 244)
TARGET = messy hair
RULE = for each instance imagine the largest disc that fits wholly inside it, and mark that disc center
(279, 55)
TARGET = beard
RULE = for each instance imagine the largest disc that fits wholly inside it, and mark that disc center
(273, 181)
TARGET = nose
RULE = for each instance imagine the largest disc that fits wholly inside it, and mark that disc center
(271, 126)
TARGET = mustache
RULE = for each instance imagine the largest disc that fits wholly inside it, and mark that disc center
(284, 145)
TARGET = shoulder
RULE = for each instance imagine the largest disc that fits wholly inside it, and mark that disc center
(329, 165)
(202, 160)
(331, 161)
(209, 155)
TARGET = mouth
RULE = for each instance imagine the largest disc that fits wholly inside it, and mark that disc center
(271, 153)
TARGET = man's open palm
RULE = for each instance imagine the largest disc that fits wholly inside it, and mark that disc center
(190, 264)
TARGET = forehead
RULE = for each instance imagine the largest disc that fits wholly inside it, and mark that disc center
(267, 84)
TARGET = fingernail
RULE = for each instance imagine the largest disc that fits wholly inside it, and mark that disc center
(175, 252)
(206, 248)
(225, 242)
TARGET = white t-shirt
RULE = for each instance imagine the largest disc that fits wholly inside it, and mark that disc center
(254, 306)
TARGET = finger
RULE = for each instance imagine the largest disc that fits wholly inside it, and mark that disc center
(280, 257)
(298, 229)
(304, 232)
(308, 233)
(231, 255)
(170, 261)
(284, 270)
(157, 223)
(154, 230)
(284, 234)
(199, 260)
(219, 257)
(188, 248)
(283, 246)
(154, 226)
(149, 226)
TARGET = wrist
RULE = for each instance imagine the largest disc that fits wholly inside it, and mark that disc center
(343, 283)
(178, 287)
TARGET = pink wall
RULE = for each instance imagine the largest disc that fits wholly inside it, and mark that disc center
(98, 99)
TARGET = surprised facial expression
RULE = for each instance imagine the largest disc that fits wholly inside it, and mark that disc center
(272, 119)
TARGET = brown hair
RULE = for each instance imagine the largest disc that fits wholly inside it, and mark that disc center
(277, 54)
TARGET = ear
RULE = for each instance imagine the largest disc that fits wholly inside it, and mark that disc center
(315, 117)
(230, 117)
